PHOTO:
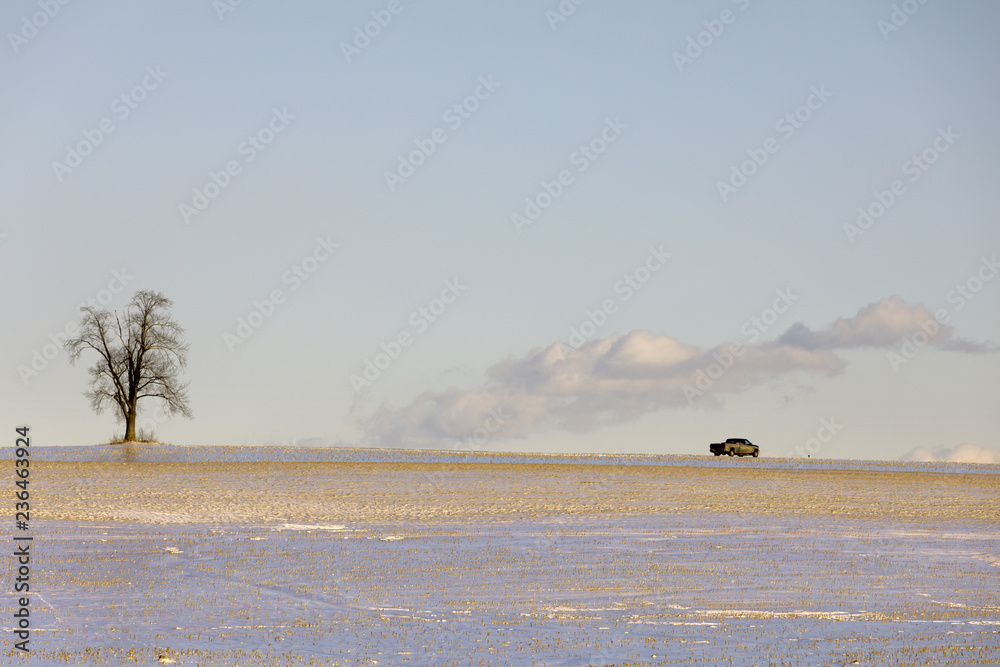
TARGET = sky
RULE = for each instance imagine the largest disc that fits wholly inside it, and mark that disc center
(573, 226)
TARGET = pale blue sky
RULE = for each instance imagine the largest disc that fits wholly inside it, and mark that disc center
(656, 185)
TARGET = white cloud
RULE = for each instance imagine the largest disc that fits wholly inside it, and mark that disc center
(620, 378)
(965, 453)
(878, 325)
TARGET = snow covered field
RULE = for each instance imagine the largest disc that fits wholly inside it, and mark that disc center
(237, 556)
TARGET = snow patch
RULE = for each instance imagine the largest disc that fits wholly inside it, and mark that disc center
(311, 526)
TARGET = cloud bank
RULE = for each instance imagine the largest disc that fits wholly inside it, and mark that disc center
(965, 453)
(620, 378)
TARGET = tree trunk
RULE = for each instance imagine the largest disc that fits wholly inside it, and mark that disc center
(130, 425)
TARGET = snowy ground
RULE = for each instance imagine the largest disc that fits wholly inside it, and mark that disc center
(399, 559)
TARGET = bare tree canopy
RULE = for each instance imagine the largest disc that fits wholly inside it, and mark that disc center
(141, 353)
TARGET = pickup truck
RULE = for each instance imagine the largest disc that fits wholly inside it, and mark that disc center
(734, 447)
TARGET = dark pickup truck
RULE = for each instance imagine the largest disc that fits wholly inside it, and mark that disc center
(734, 447)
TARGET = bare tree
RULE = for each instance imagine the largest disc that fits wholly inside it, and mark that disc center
(141, 354)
